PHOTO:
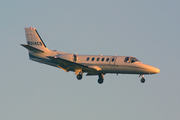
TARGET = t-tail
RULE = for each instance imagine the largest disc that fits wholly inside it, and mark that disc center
(34, 41)
(37, 49)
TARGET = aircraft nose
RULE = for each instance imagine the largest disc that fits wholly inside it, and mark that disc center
(151, 69)
(156, 70)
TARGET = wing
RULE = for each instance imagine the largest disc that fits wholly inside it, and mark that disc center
(72, 66)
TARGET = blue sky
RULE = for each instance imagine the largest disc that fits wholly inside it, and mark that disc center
(148, 30)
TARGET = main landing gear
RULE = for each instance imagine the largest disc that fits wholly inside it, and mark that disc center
(79, 76)
(142, 79)
(101, 79)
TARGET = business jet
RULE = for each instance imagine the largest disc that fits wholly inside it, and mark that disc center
(91, 64)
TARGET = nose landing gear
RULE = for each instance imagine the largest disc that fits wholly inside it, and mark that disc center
(142, 79)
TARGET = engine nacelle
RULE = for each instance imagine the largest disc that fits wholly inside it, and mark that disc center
(69, 57)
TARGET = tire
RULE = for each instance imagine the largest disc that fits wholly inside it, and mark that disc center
(142, 80)
(100, 81)
(79, 77)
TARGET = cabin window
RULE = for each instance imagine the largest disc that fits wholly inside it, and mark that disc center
(133, 59)
(93, 59)
(130, 60)
(102, 59)
(127, 60)
(87, 59)
(97, 59)
(107, 59)
(113, 60)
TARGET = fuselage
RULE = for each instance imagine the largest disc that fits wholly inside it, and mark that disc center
(104, 64)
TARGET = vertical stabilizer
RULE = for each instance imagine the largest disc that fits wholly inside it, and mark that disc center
(34, 40)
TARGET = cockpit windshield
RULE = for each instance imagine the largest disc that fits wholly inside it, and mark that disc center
(131, 60)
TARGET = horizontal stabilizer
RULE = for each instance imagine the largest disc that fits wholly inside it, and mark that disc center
(33, 49)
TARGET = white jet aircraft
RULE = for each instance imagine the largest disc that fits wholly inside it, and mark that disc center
(91, 64)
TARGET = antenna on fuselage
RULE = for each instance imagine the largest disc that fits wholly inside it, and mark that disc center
(54, 42)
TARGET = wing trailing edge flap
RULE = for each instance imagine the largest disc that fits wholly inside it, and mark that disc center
(95, 67)
(33, 49)
(63, 68)
(97, 73)
(73, 66)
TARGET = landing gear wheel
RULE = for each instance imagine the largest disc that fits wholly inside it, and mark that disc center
(142, 80)
(79, 76)
(100, 81)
